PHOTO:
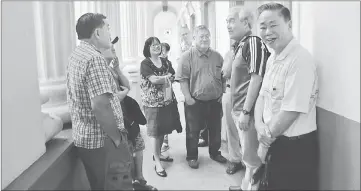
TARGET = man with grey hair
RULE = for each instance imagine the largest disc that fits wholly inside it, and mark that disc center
(248, 68)
(199, 74)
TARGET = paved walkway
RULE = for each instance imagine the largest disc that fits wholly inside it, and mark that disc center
(209, 176)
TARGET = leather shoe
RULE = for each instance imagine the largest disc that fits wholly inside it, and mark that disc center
(193, 164)
(235, 188)
(219, 158)
(234, 167)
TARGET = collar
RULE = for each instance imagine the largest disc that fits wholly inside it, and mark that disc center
(238, 43)
(90, 46)
(288, 49)
(207, 54)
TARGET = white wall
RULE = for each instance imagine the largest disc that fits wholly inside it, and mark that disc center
(22, 137)
(331, 31)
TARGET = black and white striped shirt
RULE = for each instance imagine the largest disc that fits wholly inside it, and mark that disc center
(250, 58)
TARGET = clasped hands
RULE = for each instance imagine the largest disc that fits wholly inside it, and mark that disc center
(264, 138)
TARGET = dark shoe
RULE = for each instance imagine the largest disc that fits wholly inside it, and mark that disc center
(193, 164)
(219, 158)
(235, 188)
(202, 143)
(167, 159)
(258, 174)
(142, 185)
(234, 167)
(162, 173)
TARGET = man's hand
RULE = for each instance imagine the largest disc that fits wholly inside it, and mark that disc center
(262, 135)
(116, 139)
(172, 78)
(189, 100)
(121, 94)
(243, 122)
(116, 142)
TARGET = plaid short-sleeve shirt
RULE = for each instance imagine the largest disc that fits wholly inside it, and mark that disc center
(88, 76)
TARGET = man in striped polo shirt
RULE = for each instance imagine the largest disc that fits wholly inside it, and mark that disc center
(248, 69)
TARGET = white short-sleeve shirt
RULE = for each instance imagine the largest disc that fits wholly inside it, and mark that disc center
(291, 84)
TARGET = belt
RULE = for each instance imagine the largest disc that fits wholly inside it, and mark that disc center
(208, 101)
(295, 138)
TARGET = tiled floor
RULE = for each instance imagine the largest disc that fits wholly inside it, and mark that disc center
(210, 175)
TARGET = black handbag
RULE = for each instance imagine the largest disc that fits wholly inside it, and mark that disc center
(133, 117)
(261, 175)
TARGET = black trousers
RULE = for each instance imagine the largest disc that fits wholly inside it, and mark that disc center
(293, 163)
(203, 114)
(95, 164)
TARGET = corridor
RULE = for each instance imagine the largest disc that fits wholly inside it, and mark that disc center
(209, 176)
(38, 37)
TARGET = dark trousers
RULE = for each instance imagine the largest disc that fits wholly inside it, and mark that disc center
(203, 114)
(293, 163)
(95, 164)
(108, 167)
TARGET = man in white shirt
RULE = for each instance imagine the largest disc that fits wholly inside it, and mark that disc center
(285, 112)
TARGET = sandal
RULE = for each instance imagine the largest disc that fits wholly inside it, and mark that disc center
(167, 159)
(162, 173)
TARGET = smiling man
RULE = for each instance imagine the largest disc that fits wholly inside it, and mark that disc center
(199, 74)
(285, 113)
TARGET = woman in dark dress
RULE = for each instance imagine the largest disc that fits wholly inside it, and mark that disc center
(158, 100)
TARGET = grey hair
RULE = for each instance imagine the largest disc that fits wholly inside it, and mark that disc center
(200, 27)
(244, 14)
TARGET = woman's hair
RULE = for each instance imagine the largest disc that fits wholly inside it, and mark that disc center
(147, 44)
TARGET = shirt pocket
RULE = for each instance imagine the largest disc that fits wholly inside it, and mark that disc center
(277, 88)
(218, 72)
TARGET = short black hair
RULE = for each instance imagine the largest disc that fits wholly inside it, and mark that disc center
(284, 11)
(166, 45)
(147, 44)
(87, 23)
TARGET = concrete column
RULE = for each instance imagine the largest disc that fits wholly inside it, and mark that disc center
(128, 30)
(22, 135)
(141, 27)
(55, 40)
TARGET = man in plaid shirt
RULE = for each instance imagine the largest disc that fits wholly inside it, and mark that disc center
(93, 99)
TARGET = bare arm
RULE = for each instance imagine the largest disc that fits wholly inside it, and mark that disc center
(252, 93)
(158, 79)
(184, 84)
(99, 83)
(105, 116)
(258, 111)
(282, 121)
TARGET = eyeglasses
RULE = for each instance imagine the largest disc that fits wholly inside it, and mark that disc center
(155, 45)
(206, 37)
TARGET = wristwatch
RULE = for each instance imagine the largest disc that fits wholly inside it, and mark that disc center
(245, 112)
